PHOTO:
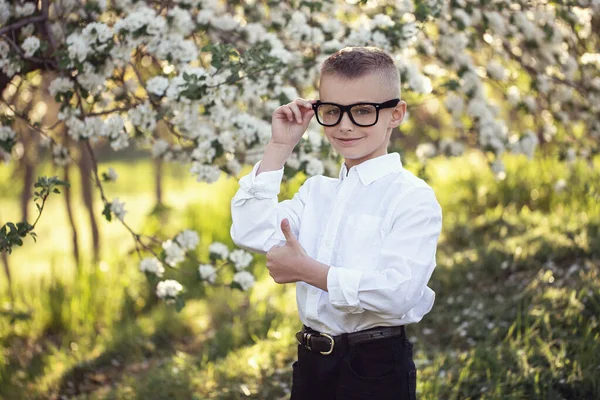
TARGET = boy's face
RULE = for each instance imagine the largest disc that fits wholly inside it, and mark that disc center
(371, 141)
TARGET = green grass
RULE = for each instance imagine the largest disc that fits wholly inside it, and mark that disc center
(516, 314)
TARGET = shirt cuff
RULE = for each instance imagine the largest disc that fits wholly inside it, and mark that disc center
(342, 285)
(264, 186)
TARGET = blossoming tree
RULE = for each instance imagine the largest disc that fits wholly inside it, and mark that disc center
(196, 81)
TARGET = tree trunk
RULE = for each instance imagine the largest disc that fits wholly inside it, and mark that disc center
(8, 276)
(75, 237)
(85, 168)
(158, 172)
(28, 178)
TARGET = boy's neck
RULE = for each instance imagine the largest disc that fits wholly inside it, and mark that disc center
(352, 163)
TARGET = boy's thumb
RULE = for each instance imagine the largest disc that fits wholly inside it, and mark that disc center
(287, 230)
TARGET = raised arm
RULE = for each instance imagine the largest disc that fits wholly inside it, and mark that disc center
(255, 211)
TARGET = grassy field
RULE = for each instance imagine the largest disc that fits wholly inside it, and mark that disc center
(516, 313)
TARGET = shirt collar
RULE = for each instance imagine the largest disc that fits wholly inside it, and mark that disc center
(374, 168)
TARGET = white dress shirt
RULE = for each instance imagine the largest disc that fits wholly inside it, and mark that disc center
(376, 226)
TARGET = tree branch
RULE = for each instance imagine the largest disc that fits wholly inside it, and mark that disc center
(23, 22)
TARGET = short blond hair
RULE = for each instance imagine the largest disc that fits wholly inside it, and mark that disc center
(356, 62)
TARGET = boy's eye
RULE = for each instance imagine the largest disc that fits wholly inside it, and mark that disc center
(362, 110)
(331, 110)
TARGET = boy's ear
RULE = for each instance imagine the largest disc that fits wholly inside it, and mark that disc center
(398, 114)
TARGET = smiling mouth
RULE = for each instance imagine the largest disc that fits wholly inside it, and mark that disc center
(348, 139)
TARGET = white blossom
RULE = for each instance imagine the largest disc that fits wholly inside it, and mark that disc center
(24, 10)
(245, 279)
(425, 151)
(204, 16)
(497, 22)
(152, 266)
(219, 249)
(174, 253)
(30, 45)
(314, 166)
(60, 155)
(513, 95)
(78, 47)
(462, 16)
(159, 148)
(382, 21)
(118, 208)
(114, 126)
(143, 116)
(224, 22)
(6, 133)
(181, 21)
(498, 168)
(530, 103)
(97, 34)
(120, 142)
(207, 272)
(455, 104)
(112, 174)
(4, 12)
(157, 85)
(188, 239)
(227, 141)
(526, 144)
(241, 259)
(205, 173)
(168, 289)
(60, 85)
(204, 152)
(496, 71)
(560, 185)
(451, 147)
(293, 161)
(571, 155)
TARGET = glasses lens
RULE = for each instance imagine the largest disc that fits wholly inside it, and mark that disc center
(364, 114)
(328, 114)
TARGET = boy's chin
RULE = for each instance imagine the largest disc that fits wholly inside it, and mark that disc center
(352, 154)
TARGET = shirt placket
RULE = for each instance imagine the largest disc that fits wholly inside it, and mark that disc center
(325, 252)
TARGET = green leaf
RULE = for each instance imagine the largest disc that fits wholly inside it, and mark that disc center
(179, 303)
(106, 212)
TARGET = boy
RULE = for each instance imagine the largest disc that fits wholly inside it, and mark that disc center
(360, 248)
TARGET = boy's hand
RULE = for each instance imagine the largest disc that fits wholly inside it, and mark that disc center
(284, 262)
(290, 121)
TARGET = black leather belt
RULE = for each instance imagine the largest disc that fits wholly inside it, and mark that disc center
(325, 344)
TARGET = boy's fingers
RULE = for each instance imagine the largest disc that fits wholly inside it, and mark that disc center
(303, 102)
(296, 111)
(288, 113)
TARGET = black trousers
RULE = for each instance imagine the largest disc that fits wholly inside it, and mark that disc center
(382, 370)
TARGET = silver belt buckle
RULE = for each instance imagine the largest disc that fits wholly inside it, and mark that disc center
(326, 353)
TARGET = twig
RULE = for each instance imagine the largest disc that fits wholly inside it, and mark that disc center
(23, 22)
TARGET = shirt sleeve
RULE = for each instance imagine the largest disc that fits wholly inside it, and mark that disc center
(256, 213)
(408, 259)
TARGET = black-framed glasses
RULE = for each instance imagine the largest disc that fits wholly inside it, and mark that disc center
(361, 114)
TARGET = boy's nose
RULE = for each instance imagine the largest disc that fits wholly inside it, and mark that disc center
(346, 124)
